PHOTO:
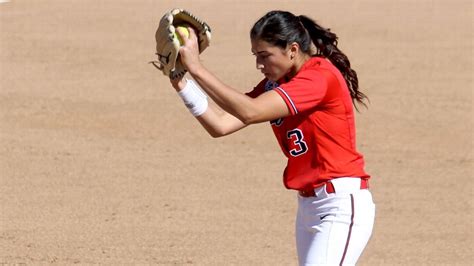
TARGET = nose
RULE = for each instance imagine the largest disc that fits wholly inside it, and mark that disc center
(258, 63)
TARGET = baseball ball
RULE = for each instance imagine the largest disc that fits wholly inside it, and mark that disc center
(183, 29)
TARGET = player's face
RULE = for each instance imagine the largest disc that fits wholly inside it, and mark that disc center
(273, 61)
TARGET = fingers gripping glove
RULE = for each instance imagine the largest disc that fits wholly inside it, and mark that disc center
(167, 44)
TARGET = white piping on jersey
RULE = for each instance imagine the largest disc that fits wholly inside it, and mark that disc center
(289, 99)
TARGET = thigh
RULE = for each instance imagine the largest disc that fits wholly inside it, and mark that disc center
(334, 230)
(362, 222)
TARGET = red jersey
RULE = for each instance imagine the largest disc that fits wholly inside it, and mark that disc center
(318, 137)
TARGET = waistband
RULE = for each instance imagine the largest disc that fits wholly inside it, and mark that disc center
(337, 185)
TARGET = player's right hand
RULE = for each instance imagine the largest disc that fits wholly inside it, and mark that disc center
(189, 51)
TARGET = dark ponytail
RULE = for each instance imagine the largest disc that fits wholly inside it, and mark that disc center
(326, 45)
(281, 28)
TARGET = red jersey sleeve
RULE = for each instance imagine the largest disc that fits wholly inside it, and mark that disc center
(304, 91)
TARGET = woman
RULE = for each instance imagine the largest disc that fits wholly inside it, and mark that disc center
(307, 95)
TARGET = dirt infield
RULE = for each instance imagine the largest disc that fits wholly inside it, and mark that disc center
(100, 162)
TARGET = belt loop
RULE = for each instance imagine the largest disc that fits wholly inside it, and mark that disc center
(330, 187)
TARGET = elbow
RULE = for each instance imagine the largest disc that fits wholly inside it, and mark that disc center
(214, 133)
(251, 115)
(249, 119)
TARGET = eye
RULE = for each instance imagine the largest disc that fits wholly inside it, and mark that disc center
(262, 56)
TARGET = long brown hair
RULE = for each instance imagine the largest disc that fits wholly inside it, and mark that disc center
(281, 28)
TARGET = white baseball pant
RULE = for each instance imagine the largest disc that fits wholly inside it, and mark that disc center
(333, 229)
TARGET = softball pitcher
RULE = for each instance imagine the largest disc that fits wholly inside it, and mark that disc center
(307, 95)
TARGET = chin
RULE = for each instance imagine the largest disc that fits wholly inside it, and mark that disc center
(271, 77)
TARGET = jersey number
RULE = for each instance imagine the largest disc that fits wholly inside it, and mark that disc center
(297, 136)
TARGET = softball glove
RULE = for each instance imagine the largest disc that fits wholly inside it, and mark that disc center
(167, 44)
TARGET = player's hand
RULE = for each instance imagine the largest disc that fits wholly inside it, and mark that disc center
(189, 51)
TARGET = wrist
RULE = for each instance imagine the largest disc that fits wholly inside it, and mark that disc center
(179, 84)
(194, 98)
(194, 69)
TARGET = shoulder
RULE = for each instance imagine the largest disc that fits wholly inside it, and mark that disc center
(312, 69)
(310, 75)
(318, 72)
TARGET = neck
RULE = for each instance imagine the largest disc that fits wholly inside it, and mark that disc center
(299, 62)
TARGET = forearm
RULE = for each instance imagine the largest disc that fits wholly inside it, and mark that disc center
(216, 121)
(219, 123)
(229, 99)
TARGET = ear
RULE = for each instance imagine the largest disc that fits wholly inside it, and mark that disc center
(293, 49)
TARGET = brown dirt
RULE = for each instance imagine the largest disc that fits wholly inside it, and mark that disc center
(101, 163)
